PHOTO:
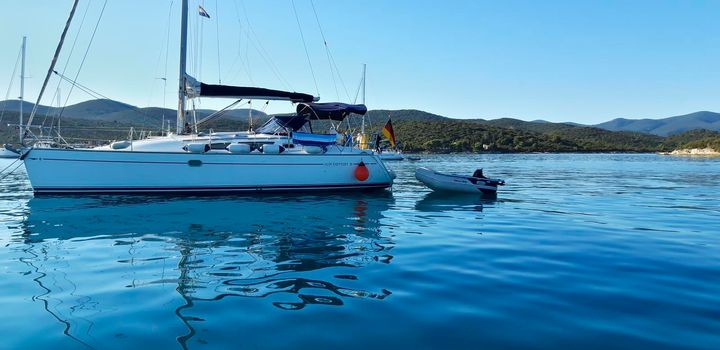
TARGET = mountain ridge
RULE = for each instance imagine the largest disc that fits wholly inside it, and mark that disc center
(666, 126)
(111, 110)
(630, 132)
(119, 112)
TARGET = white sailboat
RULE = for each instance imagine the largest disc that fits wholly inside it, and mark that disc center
(392, 155)
(6, 151)
(364, 139)
(187, 162)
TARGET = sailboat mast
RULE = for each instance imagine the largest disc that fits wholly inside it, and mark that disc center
(364, 77)
(22, 88)
(183, 67)
(58, 104)
(363, 97)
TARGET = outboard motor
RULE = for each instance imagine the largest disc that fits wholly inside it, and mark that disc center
(479, 174)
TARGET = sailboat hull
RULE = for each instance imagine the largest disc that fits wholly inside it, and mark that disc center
(62, 171)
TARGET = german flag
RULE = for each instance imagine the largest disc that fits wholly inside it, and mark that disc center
(388, 132)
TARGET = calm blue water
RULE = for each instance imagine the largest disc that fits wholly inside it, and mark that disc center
(591, 251)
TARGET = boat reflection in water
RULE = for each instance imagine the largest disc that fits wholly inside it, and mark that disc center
(94, 254)
(449, 202)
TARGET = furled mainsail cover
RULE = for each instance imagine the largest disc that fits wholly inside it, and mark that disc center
(330, 110)
(253, 93)
(195, 88)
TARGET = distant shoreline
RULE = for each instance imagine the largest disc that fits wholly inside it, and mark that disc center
(694, 152)
(569, 152)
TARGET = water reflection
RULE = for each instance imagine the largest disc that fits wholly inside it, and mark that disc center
(284, 249)
(443, 202)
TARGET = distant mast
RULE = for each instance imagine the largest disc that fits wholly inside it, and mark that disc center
(22, 88)
(362, 131)
(364, 77)
(183, 63)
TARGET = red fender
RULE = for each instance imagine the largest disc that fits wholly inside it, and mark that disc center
(361, 172)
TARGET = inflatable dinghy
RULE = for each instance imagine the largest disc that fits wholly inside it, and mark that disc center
(477, 183)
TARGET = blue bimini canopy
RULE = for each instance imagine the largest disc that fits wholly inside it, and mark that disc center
(308, 139)
(329, 110)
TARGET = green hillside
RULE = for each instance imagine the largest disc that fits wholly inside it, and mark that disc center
(697, 139)
(73, 130)
(455, 136)
(512, 135)
(458, 136)
(100, 121)
(713, 143)
(692, 136)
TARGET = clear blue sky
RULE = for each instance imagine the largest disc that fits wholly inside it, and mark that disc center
(581, 61)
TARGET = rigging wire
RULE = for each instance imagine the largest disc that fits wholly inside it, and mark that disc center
(238, 57)
(167, 53)
(327, 50)
(307, 53)
(67, 62)
(201, 45)
(218, 113)
(190, 69)
(246, 62)
(360, 85)
(98, 95)
(52, 66)
(217, 36)
(194, 45)
(257, 44)
(342, 82)
(331, 60)
(99, 128)
(163, 53)
(57, 110)
(81, 87)
(82, 63)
